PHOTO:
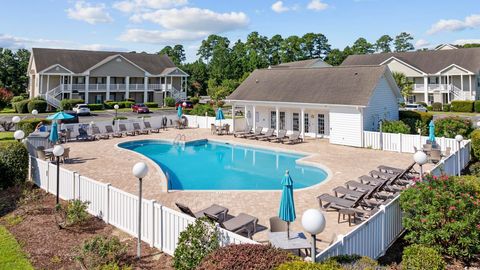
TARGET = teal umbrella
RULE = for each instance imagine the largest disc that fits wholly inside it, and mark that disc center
(220, 115)
(287, 205)
(179, 111)
(60, 116)
(431, 132)
(54, 133)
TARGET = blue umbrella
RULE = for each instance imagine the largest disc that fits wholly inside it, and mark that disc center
(179, 111)
(431, 131)
(60, 116)
(54, 133)
(287, 205)
(220, 115)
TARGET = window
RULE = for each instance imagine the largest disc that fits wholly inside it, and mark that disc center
(411, 99)
(295, 122)
(282, 120)
(306, 123)
(273, 119)
(430, 98)
(321, 124)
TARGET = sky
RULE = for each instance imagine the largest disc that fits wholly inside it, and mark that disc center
(149, 25)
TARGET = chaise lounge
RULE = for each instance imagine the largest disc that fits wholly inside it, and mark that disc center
(215, 210)
(241, 223)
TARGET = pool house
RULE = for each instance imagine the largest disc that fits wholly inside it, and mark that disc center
(335, 103)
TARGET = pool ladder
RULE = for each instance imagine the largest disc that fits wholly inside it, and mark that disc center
(179, 138)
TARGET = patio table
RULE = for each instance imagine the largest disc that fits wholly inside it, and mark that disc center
(297, 241)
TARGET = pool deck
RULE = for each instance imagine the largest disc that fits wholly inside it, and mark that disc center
(105, 162)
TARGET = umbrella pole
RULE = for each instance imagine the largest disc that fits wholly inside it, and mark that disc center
(288, 230)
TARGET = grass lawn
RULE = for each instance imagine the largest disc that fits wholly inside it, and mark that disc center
(11, 255)
(454, 113)
(6, 135)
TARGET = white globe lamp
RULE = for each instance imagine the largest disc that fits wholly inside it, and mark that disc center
(116, 107)
(58, 151)
(19, 135)
(139, 170)
(35, 112)
(313, 221)
(16, 119)
(421, 159)
(184, 104)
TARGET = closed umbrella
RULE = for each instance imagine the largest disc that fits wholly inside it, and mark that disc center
(179, 111)
(431, 132)
(60, 116)
(54, 133)
(287, 205)
(220, 115)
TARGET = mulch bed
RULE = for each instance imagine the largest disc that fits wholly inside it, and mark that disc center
(34, 226)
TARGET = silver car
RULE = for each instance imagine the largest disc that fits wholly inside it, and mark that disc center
(81, 109)
(414, 107)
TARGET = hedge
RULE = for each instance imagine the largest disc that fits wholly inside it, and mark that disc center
(475, 137)
(422, 103)
(395, 127)
(95, 107)
(37, 104)
(416, 120)
(477, 106)
(446, 107)
(418, 257)
(195, 100)
(201, 109)
(449, 127)
(121, 104)
(28, 125)
(437, 107)
(68, 104)
(151, 104)
(17, 99)
(21, 106)
(461, 106)
(13, 163)
(170, 102)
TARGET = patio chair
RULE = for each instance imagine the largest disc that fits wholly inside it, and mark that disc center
(66, 155)
(99, 135)
(435, 155)
(238, 224)
(258, 131)
(123, 129)
(277, 225)
(346, 193)
(226, 129)
(294, 138)
(138, 129)
(109, 130)
(282, 134)
(213, 129)
(383, 175)
(149, 127)
(40, 150)
(215, 210)
(269, 134)
(83, 135)
(391, 170)
(241, 134)
(328, 201)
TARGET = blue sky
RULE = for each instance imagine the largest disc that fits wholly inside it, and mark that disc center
(148, 25)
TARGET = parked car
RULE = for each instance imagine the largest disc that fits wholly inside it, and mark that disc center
(140, 108)
(414, 107)
(188, 104)
(81, 109)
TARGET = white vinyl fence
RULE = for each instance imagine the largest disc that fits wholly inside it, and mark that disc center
(205, 122)
(161, 226)
(373, 237)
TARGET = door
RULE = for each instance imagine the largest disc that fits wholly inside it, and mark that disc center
(321, 124)
(307, 123)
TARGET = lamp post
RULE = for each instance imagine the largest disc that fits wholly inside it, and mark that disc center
(313, 222)
(420, 158)
(459, 139)
(19, 135)
(16, 119)
(34, 113)
(139, 170)
(58, 152)
(184, 104)
(116, 110)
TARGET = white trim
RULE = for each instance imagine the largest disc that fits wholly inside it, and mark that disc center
(457, 66)
(55, 65)
(174, 69)
(402, 62)
(292, 104)
(446, 45)
(110, 58)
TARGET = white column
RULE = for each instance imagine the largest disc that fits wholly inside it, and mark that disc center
(302, 123)
(233, 117)
(87, 82)
(41, 84)
(425, 86)
(254, 124)
(145, 90)
(127, 87)
(277, 119)
(48, 83)
(470, 84)
(107, 97)
(461, 82)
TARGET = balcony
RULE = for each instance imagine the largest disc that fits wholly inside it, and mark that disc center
(432, 87)
(116, 87)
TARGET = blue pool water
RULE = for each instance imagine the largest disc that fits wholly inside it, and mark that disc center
(206, 165)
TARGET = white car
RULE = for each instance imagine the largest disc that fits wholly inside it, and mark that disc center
(81, 109)
(414, 107)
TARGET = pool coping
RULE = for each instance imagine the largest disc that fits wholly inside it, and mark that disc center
(300, 161)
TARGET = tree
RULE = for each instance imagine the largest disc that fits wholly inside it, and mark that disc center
(315, 46)
(176, 54)
(197, 81)
(335, 57)
(256, 48)
(470, 45)
(362, 46)
(13, 70)
(275, 49)
(291, 49)
(206, 48)
(383, 44)
(406, 86)
(402, 42)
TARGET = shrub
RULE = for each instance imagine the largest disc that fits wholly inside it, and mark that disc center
(476, 106)
(395, 127)
(17, 99)
(302, 265)
(114, 266)
(13, 163)
(446, 107)
(76, 212)
(422, 103)
(416, 120)
(462, 106)
(28, 125)
(100, 251)
(37, 104)
(429, 108)
(245, 256)
(443, 213)
(21, 106)
(68, 104)
(475, 137)
(437, 106)
(170, 102)
(197, 241)
(5, 97)
(151, 104)
(95, 107)
(474, 169)
(111, 104)
(201, 109)
(451, 126)
(354, 262)
(126, 104)
(194, 100)
(418, 257)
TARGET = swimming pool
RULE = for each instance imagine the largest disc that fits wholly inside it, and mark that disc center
(207, 165)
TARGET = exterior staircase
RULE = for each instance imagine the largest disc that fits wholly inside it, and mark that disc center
(177, 94)
(458, 94)
(51, 97)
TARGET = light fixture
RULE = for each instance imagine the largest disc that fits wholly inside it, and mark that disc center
(19, 135)
(459, 139)
(58, 151)
(314, 223)
(34, 112)
(140, 170)
(16, 119)
(116, 107)
(421, 159)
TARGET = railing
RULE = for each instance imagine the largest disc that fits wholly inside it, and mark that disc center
(373, 237)
(432, 87)
(161, 226)
(117, 87)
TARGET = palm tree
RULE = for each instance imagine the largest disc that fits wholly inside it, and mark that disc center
(406, 86)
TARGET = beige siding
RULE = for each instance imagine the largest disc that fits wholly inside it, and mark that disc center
(396, 66)
(453, 71)
(117, 67)
(383, 105)
(56, 70)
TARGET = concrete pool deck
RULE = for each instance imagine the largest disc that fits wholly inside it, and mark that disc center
(103, 161)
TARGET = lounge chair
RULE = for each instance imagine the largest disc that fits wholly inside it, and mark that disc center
(83, 135)
(391, 170)
(213, 129)
(99, 135)
(282, 134)
(258, 131)
(149, 127)
(383, 175)
(266, 136)
(294, 138)
(114, 134)
(238, 224)
(240, 134)
(123, 129)
(328, 201)
(346, 193)
(138, 129)
(216, 210)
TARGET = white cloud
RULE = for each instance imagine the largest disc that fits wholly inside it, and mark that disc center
(422, 43)
(278, 7)
(466, 41)
(89, 13)
(317, 5)
(160, 37)
(129, 6)
(454, 25)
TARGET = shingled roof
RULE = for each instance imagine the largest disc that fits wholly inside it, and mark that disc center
(331, 85)
(79, 61)
(309, 63)
(427, 61)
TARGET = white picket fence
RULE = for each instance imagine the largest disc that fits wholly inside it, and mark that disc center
(161, 226)
(373, 237)
(205, 122)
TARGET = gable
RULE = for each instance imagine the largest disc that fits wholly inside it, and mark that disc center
(117, 67)
(57, 69)
(454, 70)
(174, 72)
(397, 66)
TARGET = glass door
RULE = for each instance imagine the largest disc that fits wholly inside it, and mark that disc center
(321, 124)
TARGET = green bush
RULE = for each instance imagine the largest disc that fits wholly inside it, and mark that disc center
(437, 106)
(474, 169)
(245, 256)
(450, 126)
(443, 213)
(21, 106)
(76, 212)
(13, 163)
(475, 137)
(151, 104)
(17, 99)
(126, 104)
(100, 251)
(170, 102)
(462, 106)
(111, 104)
(95, 107)
(194, 100)
(477, 106)
(68, 104)
(37, 104)
(446, 107)
(418, 257)
(429, 108)
(201, 109)
(28, 125)
(302, 265)
(395, 127)
(197, 241)
(416, 120)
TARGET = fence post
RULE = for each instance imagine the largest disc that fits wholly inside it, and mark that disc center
(152, 228)
(30, 168)
(160, 236)
(107, 203)
(400, 142)
(47, 171)
(382, 209)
